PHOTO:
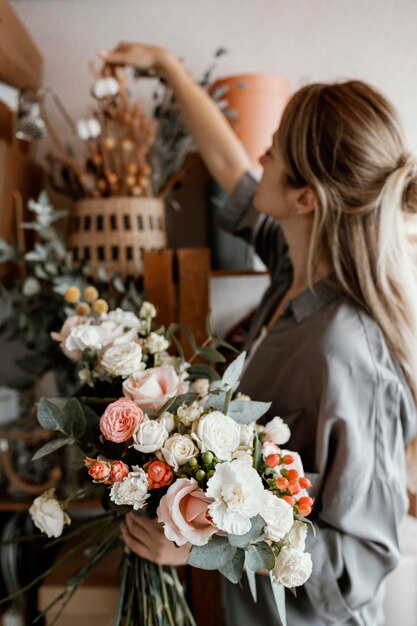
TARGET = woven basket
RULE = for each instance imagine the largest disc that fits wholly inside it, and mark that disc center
(114, 232)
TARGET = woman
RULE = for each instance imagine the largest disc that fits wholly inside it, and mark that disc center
(335, 337)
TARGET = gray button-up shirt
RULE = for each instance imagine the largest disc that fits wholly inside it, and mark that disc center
(326, 360)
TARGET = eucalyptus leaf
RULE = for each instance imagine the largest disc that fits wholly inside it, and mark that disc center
(247, 411)
(50, 416)
(201, 370)
(216, 401)
(75, 418)
(190, 337)
(51, 446)
(256, 531)
(211, 355)
(233, 373)
(214, 555)
(233, 570)
(209, 325)
(279, 597)
(260, 556)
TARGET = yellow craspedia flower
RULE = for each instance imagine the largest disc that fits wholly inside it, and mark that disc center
(90, 294)
(83, 309)
(100, 306)
(72, 294)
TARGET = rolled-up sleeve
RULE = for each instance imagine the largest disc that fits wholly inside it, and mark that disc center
(362, 497)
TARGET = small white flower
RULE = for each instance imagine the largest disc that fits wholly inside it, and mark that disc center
(296, 537)
(238, 496)
(88, 129)
(276, 431)
(48, 515)
(246, 435)
(187, 415)
(167, 420)
(123, 359)
(155, 343)
(201, 386)
(149, 436)
(178, 450)
(218, 433)
(105, 87)
(82, 337)
(133, 490)
(147, 310)
(292, 568)
(278, 515)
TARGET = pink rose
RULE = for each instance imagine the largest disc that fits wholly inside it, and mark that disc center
(184, 512)
(69, 324)
(119, 471)
(120, 419)
(153, 387)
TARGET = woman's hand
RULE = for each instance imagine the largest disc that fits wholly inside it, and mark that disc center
(146, 538)
(140, 56)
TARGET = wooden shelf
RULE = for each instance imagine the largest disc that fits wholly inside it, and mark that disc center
(222, 273)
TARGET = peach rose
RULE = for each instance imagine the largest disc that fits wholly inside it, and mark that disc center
(160, 474)
(184, 512)
(153, 387)
(119, 471)
(69, 324)
(98, 469)
(120, 419)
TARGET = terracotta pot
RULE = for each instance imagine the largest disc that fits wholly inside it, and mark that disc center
(114, 232)
(258, 100)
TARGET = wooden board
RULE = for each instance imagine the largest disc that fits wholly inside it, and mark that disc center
(158, 280)
(193, 290)
(20, 60)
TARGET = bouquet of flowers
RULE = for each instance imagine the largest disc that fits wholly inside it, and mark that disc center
(179, 443)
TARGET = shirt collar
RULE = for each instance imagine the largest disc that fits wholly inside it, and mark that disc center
(313, 300)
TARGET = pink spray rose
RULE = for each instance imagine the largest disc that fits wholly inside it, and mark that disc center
(98, 469)
(184, 512)
(153, 387)
(120, 419)
(118, 472)
(69, 324)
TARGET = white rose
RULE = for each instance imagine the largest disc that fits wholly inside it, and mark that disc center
(167, 419)
(243, 455)
(246, 435)
(178, 450)
(83, 337)
(149, 436)
(187, 415)
(113, 333)
(48, 515)
(277, 431)
(296, 537)
(292, 568)
(125, 318)
(133, 490)
(278, 515)
(105, 87)
(122, 360)
(201, 386)
(147, 310)
(218, 433)
(155, 343)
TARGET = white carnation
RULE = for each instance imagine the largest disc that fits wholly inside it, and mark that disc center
(296, 537)
(178, 450)
(83, 337)
(155, 343)
(167, 419)
(133, 490)
(218, 433)
(123, 359)
(189, 414)
(238, 494)
(277, 431)
(149, 436)
(48, 515)
(292, 568)
(278, 515)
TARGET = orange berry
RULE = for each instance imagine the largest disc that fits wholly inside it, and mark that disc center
(272, 460)
(281, 483)
(304, 510)
(289, 500)
(306, 501)
(288, 459)
(292, 474)
(294, 487)
(305, 482)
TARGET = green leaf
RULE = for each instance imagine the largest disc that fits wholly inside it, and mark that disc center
(279, 597)
(214, 555)
(225, 344)
(209, 325)
(50, 416)
(260, 556)
(216, 401)
(211, 355)
(257, 452)
(247, 411)
(256, 531)
(233, 373)
(200, 370)
(75, 418)
(51, 446)
(190, 337)
(233, 570)
(178, 345)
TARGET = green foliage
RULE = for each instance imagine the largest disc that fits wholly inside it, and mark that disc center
(256, 531)
(214, 555)
(260, 556)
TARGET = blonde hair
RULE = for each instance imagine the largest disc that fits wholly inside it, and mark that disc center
(344, 139)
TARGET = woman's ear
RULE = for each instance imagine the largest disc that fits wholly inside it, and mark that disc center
(306, 200)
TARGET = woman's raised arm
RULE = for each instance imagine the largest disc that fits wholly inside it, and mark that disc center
(221, 150)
